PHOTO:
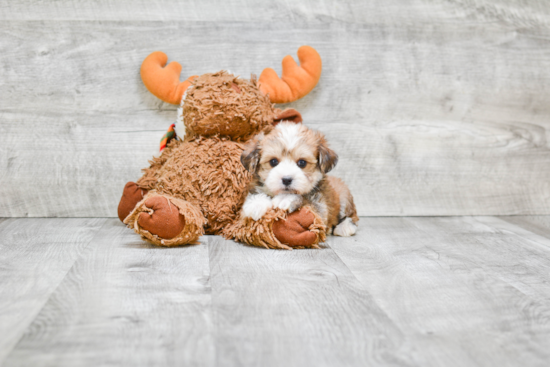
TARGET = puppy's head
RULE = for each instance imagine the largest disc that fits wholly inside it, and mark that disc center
(290, 159)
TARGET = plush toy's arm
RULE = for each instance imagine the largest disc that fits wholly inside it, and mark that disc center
(135, 192)
(151, 174)
(303, 228)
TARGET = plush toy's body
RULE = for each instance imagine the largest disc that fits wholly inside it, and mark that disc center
(207, 175)
(198, 184)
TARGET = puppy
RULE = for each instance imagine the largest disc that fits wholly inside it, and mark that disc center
(289, 167)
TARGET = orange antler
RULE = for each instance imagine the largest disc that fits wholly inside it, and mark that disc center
(164, 82)
(297, 81)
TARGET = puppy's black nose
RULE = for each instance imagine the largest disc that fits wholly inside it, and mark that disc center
(287, 181)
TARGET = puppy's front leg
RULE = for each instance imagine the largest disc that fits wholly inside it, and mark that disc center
(289, 202)
(256, 205)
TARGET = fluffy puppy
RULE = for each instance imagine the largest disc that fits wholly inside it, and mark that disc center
(289, 167)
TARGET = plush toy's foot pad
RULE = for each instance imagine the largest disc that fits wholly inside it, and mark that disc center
(131, 195)
(166, 221)
(294, 231)
(162, 219)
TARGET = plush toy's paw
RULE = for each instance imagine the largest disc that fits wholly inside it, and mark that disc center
(162, 218)
(294, 230)
(131, 195)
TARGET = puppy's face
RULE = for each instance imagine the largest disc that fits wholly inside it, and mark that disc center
(290, 159)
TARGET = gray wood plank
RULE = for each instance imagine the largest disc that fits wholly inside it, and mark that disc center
(295, 308)
(404, 291)
(463, 291)
(82, 165)
(370, 71)
(441, 111)
(538, 224)
(125, 303)
(35, 256)
(526, 12)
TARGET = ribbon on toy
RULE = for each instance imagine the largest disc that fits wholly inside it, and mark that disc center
(170, 134)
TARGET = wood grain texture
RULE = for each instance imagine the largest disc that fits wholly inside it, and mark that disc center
(295, 308)
(80, 168)
(538, 224)
(440, 291)
(435, 107)
(525, 12)
(464, 291)
(126, 304)
(35, 256)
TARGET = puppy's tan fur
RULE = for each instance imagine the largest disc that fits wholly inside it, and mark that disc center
(288, 144)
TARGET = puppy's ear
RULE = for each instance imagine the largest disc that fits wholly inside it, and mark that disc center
(250, 158)
(290, 114)
(327, 157)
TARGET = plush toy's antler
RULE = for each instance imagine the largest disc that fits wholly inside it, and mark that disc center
(164, 82)
(297, 81)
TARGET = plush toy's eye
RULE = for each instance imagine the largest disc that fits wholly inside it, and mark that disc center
(274, 162)
(301, 163)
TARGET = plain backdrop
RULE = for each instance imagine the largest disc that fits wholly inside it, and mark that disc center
(435, 107)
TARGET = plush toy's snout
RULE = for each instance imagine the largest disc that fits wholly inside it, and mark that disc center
(225, 105)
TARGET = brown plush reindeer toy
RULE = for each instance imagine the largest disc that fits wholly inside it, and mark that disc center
(198, 184)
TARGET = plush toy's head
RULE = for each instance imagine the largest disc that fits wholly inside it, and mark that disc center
(223, 104)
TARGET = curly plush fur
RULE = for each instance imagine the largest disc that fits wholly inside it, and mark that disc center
(194, 222)
(213, 108)
(262, 233)
(201, 177)
(206, 172)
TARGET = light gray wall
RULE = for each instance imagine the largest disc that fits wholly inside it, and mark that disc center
(435, 107)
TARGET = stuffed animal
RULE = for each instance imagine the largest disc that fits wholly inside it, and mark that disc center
(197, 185)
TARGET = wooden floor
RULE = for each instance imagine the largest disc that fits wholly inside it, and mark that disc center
(408, 291)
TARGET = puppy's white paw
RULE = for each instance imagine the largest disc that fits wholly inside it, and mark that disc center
(255, 206)
(289, 202)
(346, 228)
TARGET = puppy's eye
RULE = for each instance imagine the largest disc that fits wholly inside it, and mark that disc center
(301, 163)
(274, 162)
